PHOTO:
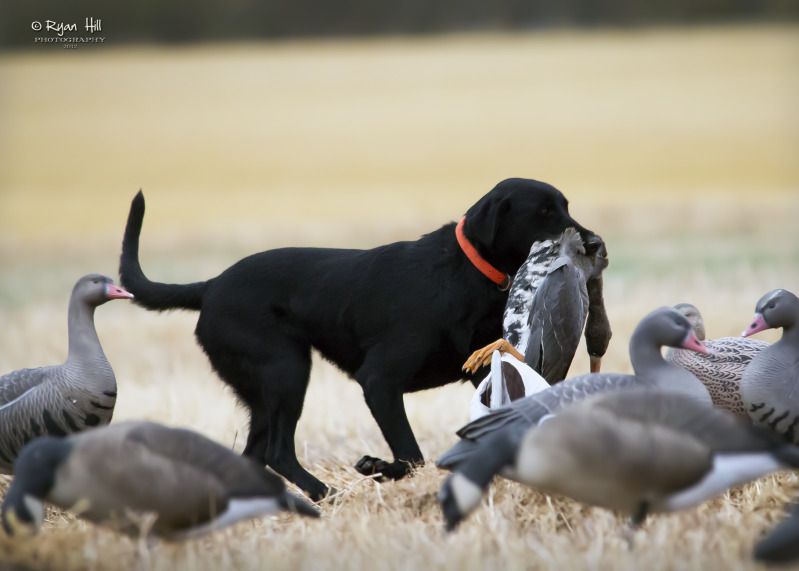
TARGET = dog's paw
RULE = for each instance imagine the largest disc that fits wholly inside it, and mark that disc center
(369, 465)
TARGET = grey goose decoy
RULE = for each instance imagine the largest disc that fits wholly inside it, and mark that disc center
(115, 474)
(555, 294)
(638, 451)
(769, 384)
(720, 370)
(66, 398)
(781, 545)
(663, 326)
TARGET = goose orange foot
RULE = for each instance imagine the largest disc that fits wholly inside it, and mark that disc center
(482, 357)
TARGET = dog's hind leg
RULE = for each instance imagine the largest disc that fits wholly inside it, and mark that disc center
(283, 385)
(273, 388)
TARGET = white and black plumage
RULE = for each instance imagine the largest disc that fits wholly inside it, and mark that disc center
(720, 370)
(117, 474)
(62, 399)
(555, 293)
(662, 327)
(529, 276)
(638, 451)
(769, 383)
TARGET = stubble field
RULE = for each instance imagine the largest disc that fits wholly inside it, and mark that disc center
(678, 146)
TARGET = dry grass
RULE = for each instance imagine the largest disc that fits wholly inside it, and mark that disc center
(678, 146)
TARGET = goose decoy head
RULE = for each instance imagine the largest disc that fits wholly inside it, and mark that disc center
(778, 308)
(34, 477)
(668, 327)
(96, 289)
(694, 317)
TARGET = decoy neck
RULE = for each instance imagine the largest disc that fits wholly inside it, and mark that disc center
(34, 477)
(84, 346)
(664, 326)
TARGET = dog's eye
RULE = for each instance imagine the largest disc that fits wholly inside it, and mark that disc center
(545, 211)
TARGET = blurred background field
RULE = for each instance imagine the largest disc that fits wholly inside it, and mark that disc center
(679, 145)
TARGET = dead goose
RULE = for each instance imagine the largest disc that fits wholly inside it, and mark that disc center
(722, 369)
(116, 474)
(768, 385)
(661, 327)
(67, 398)
(555, 293)
(638, 451)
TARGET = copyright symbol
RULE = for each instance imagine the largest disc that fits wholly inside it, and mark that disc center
(36, 26)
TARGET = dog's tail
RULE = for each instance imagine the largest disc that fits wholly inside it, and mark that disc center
(152, 295)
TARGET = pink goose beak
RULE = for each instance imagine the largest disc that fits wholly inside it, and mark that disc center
(758, 324)
(693, 343)
(113, 291)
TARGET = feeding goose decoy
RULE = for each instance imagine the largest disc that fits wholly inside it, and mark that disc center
(769, 383)
(781, 545)
(116, 474)
(639, 451)
(555, 294)
(662, 327)
(76, 395)
(720, 370)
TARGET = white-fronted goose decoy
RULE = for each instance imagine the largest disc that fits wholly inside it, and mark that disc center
(769, 383)
(638, 451)
(555, 293)
(781, 545)
(62, 399)
(722, 369)
(118, 473)
(662, 327)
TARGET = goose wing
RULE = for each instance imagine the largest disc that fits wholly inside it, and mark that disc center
(15, 384)
(556, 320)
(529, 411)
(718, 429)
(239, 475)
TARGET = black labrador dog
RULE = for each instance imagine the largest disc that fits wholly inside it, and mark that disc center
(398, 318)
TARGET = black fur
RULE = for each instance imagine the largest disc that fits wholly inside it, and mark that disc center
(398, 318)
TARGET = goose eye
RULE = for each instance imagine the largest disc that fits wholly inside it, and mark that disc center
(771, 305)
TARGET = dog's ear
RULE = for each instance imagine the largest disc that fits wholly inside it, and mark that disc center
(485, 220)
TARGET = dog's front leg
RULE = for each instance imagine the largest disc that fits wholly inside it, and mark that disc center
(386, 403)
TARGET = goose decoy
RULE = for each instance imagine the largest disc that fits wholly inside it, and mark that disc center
(555, 294)
(639, 451)
(663, 326)
(720, 370)
(781, 545)
(59, 400)
(116, 474)
(769, 383)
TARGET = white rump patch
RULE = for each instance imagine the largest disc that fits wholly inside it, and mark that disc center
(237, 510)
(729, 470)
(467, 493)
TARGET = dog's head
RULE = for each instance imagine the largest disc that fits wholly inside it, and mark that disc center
(517, 212)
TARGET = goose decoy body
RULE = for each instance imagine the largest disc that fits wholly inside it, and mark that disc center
(638, 451)
(66, 398)
(662, 327)
(116, 474)
(769, 384)
(555, 294)
(781, 545)
(720, 370)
